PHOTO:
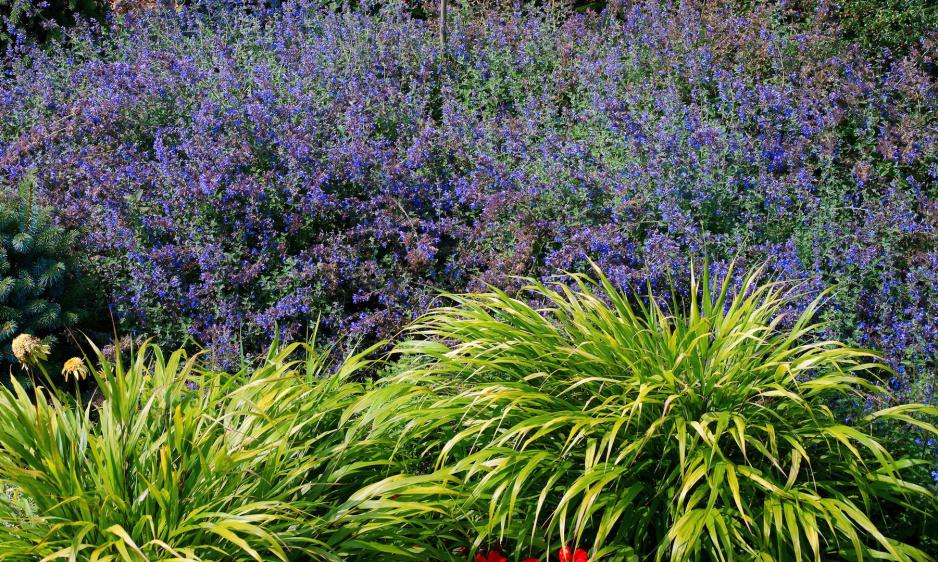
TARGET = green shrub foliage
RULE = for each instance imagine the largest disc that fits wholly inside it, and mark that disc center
(39, 292)
(39, 20)
(897, 25)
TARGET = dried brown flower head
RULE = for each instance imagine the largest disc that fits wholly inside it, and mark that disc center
(29, 349)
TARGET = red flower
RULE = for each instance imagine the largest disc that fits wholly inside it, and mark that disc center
(494, 556)
(567, 556)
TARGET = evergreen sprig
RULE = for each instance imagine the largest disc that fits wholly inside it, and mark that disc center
(39, 293)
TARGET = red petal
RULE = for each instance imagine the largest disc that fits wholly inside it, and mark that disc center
(480, 558)
(580, 556)
(566, 555)
(495, 556)
(530, 560)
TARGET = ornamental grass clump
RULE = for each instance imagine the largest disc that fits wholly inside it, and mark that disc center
(700, 431)
(178, 462)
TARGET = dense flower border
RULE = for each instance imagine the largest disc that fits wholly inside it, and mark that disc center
(242, 171)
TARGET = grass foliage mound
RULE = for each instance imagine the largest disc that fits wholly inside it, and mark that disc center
(645, 435)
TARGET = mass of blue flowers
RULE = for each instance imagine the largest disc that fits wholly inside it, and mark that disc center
(236, 170)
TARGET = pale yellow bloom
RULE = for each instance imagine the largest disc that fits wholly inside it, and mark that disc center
(75, 366)
(29, 349)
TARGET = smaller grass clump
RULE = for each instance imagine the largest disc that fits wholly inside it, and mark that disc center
(177, 463)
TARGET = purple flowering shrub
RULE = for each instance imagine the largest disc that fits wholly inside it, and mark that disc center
(240, 171)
